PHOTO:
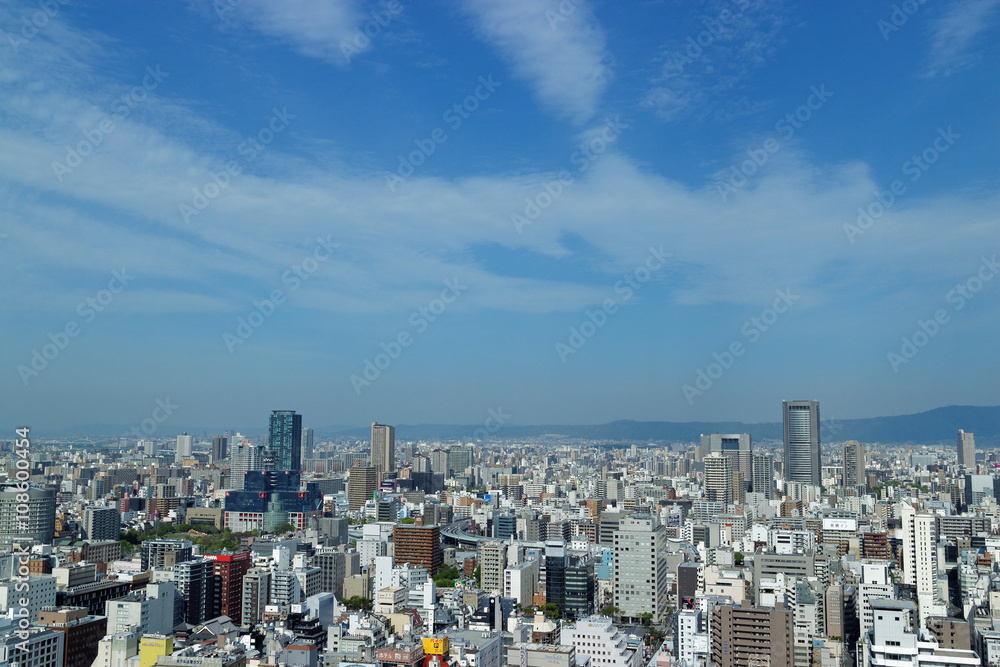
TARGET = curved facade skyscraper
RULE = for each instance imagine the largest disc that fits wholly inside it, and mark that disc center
(801, 427)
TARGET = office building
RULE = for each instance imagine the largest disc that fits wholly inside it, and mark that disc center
(185, 448)
(492, 561)
(34, 647)
(220, 448)
(308, 447)
(102, 523)
(383, 447)
(736, 446)
(245, 456)
(193, 579)
(640, 571)
(165, 552)
(256, 595)
(719, 478)
(362, 484)
(896, 639)
(750, 636)
(37, 525)
(228, 570)
(598, 639)
(82, 633)
(418, 545)
(966, 449)
(460, 457)
(284, 439)
(802, 445)
(151, 609)
(39, 590)
(854, 465)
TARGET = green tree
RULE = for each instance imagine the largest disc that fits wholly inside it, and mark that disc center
(646, 617)
(356, 602)
(738, 558)
(283, 528)
(408, 520)
(610, 610)
(551, 610)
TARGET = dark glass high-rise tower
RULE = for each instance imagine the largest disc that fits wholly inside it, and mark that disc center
(802, 460)
(285, 439)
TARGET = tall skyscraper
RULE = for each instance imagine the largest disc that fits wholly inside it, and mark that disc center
(736, 446)
(307, 444)
(246, 456)
(719, 478)
(854, 464)
(743, 636)
(37, 524)
(383, 447)
(802, 458)
(220, 448)
(966, 449)
(285, 439)
(763, 475)
(102, 523)
(640, 571)
(185, 445)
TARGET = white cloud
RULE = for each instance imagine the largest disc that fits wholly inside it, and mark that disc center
(557, 47)
(954, 35)
(329, 31)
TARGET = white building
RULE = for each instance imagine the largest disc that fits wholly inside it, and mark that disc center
(597, 638)
(519, 581)
(640, 573)
(895, 640)
(150, 609)
(689, 639)
(875, 585)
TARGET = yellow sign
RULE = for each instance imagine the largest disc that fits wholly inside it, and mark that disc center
(436, 645)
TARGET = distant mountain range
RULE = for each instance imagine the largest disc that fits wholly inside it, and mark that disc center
(933, 426)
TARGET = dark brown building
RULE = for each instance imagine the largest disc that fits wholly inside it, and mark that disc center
(83, 632)
(228, 571)
(751, 635)
(876, 546)
(418, 545)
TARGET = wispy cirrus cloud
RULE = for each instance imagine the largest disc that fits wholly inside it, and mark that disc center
(559, 48)
(708, 58)
(955, 35)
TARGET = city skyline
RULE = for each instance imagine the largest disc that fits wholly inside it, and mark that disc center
(564, 212)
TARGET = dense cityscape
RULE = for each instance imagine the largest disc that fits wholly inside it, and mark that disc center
(286, 550)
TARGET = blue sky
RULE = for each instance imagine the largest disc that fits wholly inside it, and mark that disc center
(538, 157)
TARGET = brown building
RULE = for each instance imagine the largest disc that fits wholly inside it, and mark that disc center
(418, 545)
(875, 546)
(39, 565)
(82, 631)
(751, 635)
(229, 570)
(361, 486)
(951, 633)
